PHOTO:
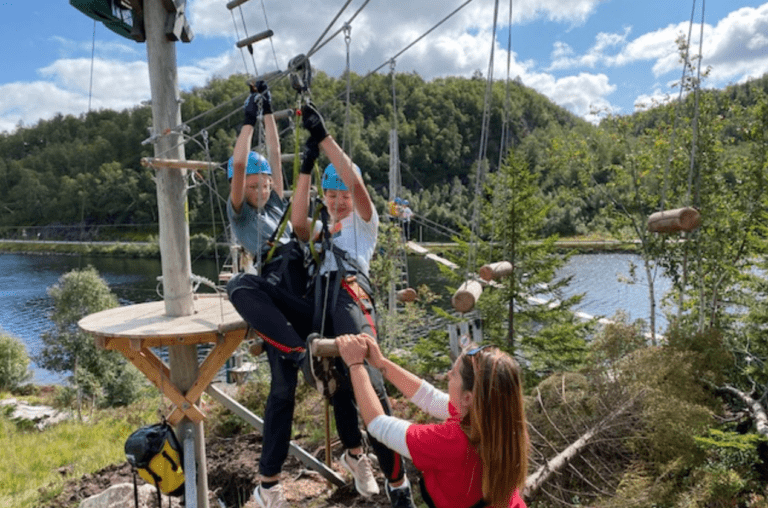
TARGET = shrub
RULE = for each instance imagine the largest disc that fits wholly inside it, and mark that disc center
(14, 363)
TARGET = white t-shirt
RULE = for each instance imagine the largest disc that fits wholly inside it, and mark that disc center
(355, 236)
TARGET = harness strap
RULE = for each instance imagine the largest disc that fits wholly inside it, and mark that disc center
(279, 346)
(361, 298)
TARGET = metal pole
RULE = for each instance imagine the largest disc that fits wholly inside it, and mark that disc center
(172, 210)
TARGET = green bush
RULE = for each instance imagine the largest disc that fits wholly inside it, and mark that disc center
(14, 363)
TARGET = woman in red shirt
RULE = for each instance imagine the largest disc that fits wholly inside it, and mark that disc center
(478, 455)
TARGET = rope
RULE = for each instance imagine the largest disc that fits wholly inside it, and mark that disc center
(346, 143)
(695, 124)
(271, 42)
(395, 164)
(505, 110)
(481, 158)
(677, 109)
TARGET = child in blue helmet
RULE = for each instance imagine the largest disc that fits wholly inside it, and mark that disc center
(270, 296)
(343, 295)
(255, 203)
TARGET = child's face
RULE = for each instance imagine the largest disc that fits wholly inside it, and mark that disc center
(257, 189)
(339, 203)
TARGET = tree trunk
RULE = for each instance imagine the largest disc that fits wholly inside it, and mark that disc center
(756, 409)
(535, 481)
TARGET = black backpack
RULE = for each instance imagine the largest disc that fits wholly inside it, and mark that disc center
(154, 452)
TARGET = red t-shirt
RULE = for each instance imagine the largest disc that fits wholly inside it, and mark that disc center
(451, 467)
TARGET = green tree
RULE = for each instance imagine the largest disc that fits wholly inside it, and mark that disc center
(528, 307)
(68, 349)
(14, 363)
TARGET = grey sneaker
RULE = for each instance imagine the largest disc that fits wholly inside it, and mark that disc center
(400, 497)
(270, 498)
(362, 472)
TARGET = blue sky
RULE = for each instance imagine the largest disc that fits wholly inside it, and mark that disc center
(586, 55)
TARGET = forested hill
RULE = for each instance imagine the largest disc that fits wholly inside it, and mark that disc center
(86, 170)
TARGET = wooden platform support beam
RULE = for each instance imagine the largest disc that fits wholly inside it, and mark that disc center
(304, 457)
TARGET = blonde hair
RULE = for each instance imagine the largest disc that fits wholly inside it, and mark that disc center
(495, 422)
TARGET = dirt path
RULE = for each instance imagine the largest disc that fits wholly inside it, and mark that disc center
(232, 471)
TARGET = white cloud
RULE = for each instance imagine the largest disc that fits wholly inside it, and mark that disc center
(21, 101)
(583, 95)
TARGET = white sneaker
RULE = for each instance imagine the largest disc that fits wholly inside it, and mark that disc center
(270, 498)
(361, 470)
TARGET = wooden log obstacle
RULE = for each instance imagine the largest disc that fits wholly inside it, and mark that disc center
(673, 221)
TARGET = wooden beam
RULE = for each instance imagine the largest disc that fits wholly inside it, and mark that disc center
(158, 163)
(255, 38)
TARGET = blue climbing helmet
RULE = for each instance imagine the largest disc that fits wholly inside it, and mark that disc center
(256, 164)
(331, 179)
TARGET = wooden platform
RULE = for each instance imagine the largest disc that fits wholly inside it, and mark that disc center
(134, 329)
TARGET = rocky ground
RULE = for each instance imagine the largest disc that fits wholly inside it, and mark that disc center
(232, 472)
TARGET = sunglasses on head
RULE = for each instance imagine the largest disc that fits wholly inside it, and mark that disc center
(476, 350)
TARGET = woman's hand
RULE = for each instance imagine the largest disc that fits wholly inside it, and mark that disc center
(375, 356)
(352, 348)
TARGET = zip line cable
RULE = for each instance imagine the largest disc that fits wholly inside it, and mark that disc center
(455, 11)
(316, 47)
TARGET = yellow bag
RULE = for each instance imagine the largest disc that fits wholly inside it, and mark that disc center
(154, 452)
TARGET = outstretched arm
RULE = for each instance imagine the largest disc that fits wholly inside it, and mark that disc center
(239, 163)
(271, 137)
(313, 121)
(405, 381)
(302, 224)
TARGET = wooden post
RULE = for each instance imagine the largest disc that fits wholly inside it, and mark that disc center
(172, 209)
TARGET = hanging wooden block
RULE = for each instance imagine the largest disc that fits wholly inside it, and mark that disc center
(248, 41)
(465, 298)
(495, 271)
(406, 295)
(672, 221)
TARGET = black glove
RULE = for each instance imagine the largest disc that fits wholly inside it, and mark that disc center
(311, 153)
(313, 122)
(251, 109)
(266, 97)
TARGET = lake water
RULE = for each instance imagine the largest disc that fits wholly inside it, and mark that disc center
(25, 305)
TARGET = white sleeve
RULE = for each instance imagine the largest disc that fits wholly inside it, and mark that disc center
(433, 401)
(390, 431)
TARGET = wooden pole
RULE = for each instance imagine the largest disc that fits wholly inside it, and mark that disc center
(172, 209)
